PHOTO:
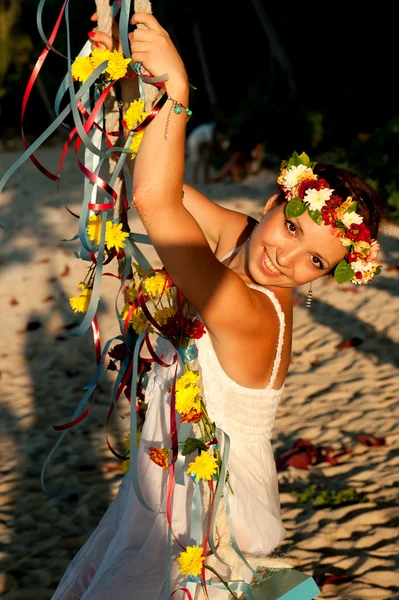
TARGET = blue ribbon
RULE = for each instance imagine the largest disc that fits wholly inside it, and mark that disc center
(90, 387)
(133, 426)
(188, 354)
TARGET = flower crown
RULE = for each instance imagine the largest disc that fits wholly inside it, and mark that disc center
(305, 191)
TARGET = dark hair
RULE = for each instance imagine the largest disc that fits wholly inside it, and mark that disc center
(346, 182)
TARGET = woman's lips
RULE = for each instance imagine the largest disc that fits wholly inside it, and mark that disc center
(268, 266)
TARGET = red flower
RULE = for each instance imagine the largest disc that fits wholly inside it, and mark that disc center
(308, 184)
(119, 352)
(192, 417)
(194, 328)
(358, 233)
(311, 184)
(160, 456)
(328, 211)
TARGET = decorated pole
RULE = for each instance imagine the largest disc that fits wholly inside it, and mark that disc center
(111, 105)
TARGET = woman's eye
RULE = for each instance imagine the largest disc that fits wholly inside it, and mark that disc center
(317, 262)
(291, 226)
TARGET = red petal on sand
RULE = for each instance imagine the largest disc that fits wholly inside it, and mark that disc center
(370, 440)
(326, 579)
(65, 271)
(350, 343)
(300, 461)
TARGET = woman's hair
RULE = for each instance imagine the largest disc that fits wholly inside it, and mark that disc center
(345, 182)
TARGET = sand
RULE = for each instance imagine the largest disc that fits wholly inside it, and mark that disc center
(336, 390)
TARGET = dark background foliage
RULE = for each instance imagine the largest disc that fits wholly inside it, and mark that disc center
(313, 77)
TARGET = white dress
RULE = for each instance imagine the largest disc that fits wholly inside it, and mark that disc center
(125, 557)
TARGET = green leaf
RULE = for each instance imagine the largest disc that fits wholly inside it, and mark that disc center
(377, 271)
(343, 272)
(352, 207)
(305, 160)
(295, 208)
(315, 215)
(191, 445)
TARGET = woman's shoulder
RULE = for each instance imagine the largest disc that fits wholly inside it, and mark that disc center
(247, 352)
(221, 226)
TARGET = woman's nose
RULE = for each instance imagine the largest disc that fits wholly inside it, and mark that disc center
(285, 257)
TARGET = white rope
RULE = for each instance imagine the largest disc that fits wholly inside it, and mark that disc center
(111, 107)
(150, 91)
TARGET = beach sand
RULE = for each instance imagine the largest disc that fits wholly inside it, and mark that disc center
(343, 383)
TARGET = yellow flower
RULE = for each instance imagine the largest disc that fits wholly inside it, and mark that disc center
(131, 293)
(156, 285)
(203, 466)
(188, 399)
(81, 303)
(140, 272)
(117, 65)
(82, 68)
(133, 113)
(191, 561)
(189, 377)
(125, 465)
(98, 56)
(163, 314)
(114, 236)
(94, 228)
(136, 141)
(138, 321)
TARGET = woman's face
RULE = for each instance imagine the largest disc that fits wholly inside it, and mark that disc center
(290, 252)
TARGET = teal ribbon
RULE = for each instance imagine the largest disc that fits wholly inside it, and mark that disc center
(90, 388)
(184, 433)
(188, 354)
(133, 426)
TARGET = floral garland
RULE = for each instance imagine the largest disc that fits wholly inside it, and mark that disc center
(305, 191)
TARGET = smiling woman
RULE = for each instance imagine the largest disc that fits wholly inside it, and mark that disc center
(237, 277)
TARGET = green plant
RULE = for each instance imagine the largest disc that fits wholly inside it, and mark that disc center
(318, 496)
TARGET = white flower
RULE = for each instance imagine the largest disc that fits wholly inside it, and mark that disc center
(295, 175)
(316, 199)
(350, 218)
(362, 266)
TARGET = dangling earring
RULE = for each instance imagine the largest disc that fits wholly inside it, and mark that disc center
(309, 296)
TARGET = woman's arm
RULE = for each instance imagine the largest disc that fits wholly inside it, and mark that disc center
(157, 194)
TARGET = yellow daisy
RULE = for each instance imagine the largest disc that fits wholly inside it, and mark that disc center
(203, 466)
(133, 113)
(131, 293)
(188, 399)
(136, 141)
(114, 236)
(189, 377)
(156, 285)
(98, 56)
(163, 314)
(81, 303)
(191, 561)
(94, 228)
(82, 68)
(117, 65)
(125, 465)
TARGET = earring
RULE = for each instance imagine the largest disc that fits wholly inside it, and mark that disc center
(309, 296)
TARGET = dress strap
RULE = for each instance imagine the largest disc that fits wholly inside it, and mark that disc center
(231, 253)
(281, 317)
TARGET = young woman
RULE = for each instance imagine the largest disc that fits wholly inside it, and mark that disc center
(239, 277)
